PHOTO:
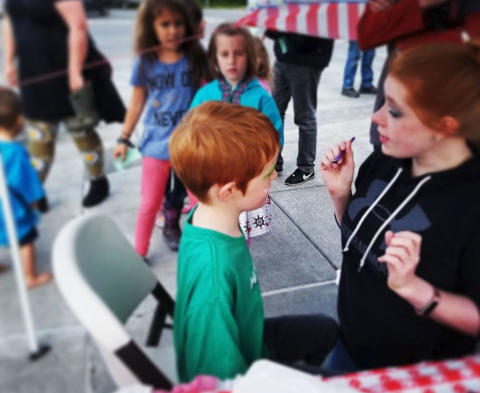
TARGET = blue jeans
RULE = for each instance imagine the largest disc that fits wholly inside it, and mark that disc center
(354, 54)
(339, 361)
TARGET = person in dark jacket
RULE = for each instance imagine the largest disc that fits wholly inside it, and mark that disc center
(297, 70)
(411, 241)
(50, 40)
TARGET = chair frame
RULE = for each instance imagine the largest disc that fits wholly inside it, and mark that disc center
(126, 361)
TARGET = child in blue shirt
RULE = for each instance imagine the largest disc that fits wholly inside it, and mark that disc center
(23, 185)
(233, 62)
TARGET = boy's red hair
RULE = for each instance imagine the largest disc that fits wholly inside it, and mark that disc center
(218, 142)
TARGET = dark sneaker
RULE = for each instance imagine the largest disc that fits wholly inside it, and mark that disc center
(299, 176)
(368, 90)
(350, 92)
(98, 192)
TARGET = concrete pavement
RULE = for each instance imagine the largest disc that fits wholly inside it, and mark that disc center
(296, 260)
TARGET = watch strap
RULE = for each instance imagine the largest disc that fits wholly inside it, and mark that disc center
(431, 304)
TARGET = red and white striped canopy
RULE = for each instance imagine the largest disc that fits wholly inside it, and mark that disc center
(330, 19)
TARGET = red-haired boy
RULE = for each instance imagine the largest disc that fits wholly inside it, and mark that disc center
(225, 155)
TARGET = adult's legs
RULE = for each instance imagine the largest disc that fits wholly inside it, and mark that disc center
(367, 72)
(41, 145)
(89, 145)
(154, 180)
(303, 82)
(351, 65)
(300, 338)
(339, 360)
(281, 94)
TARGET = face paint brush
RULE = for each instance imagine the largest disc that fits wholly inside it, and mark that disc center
(340, 155)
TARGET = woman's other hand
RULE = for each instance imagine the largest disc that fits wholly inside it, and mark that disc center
(75, 81)
(401, 257)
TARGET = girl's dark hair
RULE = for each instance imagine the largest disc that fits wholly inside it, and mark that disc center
(10, 109)
(195, 11)
(147, 45)
(231, 30)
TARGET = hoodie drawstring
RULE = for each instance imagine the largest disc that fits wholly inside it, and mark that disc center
(392, 216)
(357, 228)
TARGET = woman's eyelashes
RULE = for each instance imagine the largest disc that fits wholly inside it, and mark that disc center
(395, 113)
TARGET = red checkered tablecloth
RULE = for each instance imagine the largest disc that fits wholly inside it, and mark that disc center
(450, 376)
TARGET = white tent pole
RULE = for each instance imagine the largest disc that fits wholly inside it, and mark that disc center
(17, 263)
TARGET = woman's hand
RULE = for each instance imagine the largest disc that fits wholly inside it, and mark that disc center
(401, 256)
(120, 151)
(11, 76)
(75, 81)
(338, 177)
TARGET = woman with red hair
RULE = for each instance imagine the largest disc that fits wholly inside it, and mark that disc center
(409, 288)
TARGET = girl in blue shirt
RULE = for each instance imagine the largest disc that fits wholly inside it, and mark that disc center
(232, 61)
(169, 68)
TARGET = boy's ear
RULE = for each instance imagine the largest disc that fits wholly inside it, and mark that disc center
(226, 191)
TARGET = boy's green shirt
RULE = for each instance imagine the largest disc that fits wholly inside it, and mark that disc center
(218, 321)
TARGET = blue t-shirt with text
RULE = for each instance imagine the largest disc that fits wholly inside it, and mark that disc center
(169, 92)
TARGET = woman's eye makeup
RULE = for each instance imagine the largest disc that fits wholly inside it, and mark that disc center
(395, 113)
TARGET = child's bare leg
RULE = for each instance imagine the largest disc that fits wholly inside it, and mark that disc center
(27, 252)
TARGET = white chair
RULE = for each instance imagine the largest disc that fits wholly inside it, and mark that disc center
(103, 280)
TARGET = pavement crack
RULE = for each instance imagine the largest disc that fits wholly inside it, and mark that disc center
(307, 236)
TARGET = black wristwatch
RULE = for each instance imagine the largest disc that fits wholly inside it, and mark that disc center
(431, 304)
(125, 141)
